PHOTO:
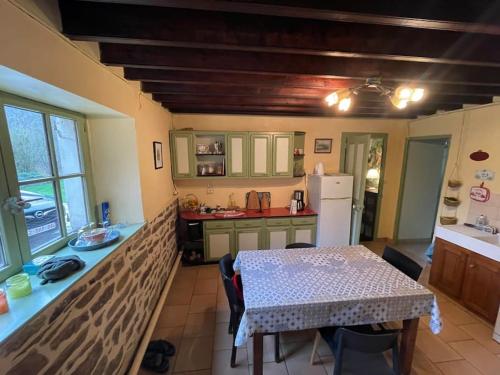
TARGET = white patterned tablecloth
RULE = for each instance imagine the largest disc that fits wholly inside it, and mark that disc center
(297, 289)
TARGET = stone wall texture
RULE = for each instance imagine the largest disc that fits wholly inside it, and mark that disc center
(96, 326)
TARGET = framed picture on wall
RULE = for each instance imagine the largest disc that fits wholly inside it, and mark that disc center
(158, 155)
(322, 145)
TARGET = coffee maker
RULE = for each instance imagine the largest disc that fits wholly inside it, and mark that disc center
(298, 195)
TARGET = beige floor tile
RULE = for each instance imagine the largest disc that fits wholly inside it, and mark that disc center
(194, 354)
(323, 349)
(482, 333)
(222, 315)
(173, 316)
(294, 336)
(451, 332)
(208, 272)
(222, 363)
(457, 368)
(422, 365)
(456, 314)
(203, 303)
(297, 356)
(478, 356)
(205, 286)
(434, 348)
(272, 368)
(200, 325)
(179, 296)
(223, 340)
(268, 349)
(328, 363)
(173, 334)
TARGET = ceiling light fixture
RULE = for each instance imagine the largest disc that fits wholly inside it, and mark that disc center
(400, 97)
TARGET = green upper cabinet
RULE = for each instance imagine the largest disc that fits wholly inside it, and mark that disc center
(237, 154)
(220, 154)
(181, 146)
(260, 154)
(283, 154)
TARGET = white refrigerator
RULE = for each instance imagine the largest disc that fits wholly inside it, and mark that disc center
(330, 196)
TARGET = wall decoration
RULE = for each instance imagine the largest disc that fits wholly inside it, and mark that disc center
(479, 155)
(485, 175)
(480, 193)
(322, 145)
(158, 154)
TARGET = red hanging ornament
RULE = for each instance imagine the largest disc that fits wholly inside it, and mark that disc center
(479, 155)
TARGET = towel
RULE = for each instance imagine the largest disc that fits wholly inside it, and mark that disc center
(59, 267)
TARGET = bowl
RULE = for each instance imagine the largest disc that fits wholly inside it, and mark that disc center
(94, 235)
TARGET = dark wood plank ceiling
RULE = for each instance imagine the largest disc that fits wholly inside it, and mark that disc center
(283, 57)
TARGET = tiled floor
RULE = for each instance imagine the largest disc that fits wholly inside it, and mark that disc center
(196, 315)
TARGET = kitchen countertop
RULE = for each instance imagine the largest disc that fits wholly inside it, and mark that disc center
(477, 241)
(249, 214)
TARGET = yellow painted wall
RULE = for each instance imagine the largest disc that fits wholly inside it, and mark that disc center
(35, 48)
(281, 190)
(481, 130)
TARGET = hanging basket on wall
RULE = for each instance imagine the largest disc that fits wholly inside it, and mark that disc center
(451, 201)
(448, 220)
(454, 183)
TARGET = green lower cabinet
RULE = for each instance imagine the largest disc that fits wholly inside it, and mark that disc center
(248, 239)
(277, 237)
(218, 242)
(304, 233)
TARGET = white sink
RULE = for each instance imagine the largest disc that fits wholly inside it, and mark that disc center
(472, 239)
(493, 239)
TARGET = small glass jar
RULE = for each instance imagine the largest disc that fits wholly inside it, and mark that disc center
(18, 285)
(4, 305)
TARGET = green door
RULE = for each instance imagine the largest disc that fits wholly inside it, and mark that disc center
(182, 156)
(237, 154)
(356, 164)
(260, 155)
(283, 154)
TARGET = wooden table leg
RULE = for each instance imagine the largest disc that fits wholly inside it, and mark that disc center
(258, 359)
(408, 338)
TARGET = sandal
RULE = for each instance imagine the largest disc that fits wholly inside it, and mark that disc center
(161, 346)
(156, 362)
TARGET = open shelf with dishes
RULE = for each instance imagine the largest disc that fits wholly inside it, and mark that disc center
(210, 159)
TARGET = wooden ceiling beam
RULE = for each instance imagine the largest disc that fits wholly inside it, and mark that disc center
(154, 79)
(312, 95)
(137, 56)
(117, 23)
(478, 16)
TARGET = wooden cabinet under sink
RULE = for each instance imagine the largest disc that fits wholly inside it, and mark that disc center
(470, 278)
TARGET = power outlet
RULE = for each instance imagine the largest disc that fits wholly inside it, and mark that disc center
(210, 189)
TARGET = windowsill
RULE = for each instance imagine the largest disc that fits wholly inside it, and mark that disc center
(24, 309)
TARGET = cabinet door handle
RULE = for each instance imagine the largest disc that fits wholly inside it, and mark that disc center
(472, 266)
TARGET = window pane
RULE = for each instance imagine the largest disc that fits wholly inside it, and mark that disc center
(2, 254)
(29, 143)
(66, 145)
(73, 197)
(42, 217)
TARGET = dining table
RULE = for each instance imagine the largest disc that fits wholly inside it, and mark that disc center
(299, 289)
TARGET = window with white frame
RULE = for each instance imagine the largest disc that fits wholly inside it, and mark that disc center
(45, 184)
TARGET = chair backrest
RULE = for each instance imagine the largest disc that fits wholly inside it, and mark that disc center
(299, 245)
(227, 273)
(402, 263)
(375, 342)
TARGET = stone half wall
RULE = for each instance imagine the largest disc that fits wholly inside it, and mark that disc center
(96, 326)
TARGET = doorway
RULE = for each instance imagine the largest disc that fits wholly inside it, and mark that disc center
(421, 182)
(363, 156)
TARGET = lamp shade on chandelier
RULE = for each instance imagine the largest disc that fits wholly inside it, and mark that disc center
(399, 97)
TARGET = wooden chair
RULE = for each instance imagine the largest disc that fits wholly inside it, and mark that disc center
(237, 307)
